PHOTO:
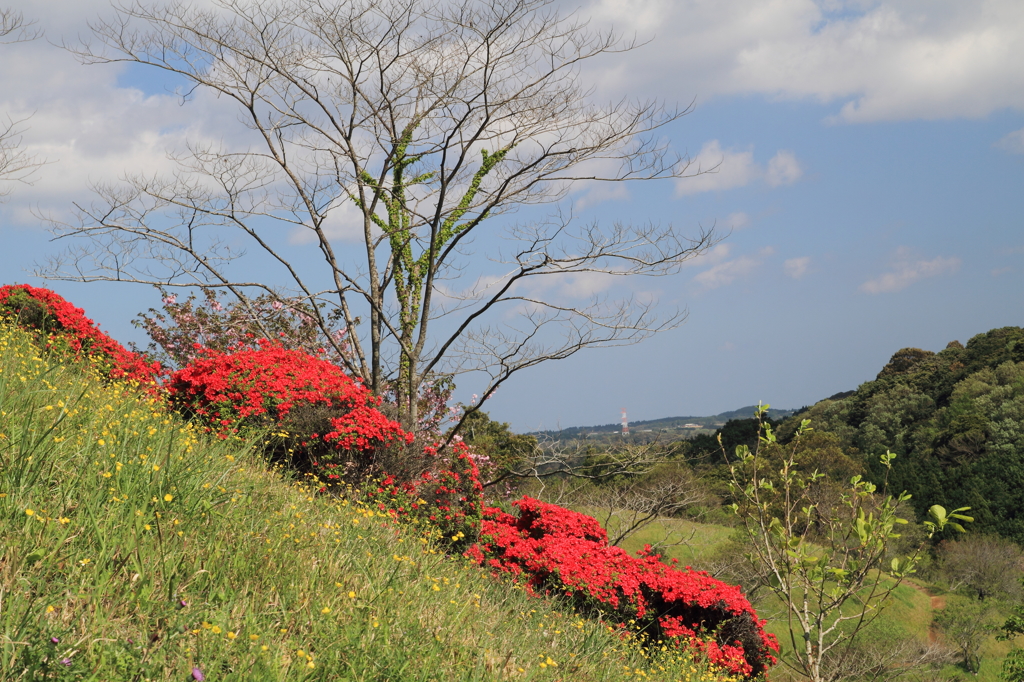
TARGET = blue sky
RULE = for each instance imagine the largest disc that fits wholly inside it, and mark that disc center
(870, 181)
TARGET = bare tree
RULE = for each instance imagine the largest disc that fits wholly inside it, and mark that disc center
(983, 566)
(885, 655)
(579, 463)
(635, 502)
(731, 562)
(424, 121)
(15, 163)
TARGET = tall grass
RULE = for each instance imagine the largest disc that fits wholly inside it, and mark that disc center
(133, 547)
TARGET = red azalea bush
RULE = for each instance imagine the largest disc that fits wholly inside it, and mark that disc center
(561, 552)
(66, 327)
(335, 429)
(184, 328)
(270, 385)
(446, 496)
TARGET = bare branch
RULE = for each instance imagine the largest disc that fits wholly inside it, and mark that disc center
(16, 165)
(417, 126)
(15, 29)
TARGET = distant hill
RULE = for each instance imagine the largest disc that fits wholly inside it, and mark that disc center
(665, 425)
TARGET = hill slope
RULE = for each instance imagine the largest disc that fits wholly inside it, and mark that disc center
(133, 547)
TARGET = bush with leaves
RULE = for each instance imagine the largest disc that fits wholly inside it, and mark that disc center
(497, 451)
(319, 419)
(1013, 627)
(182, 330)
(823, 561)
(966, 623)
(446, 496)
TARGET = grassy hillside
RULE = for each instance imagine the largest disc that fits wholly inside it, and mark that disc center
(132, 547)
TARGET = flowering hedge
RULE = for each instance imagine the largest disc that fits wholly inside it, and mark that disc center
(561, 552)
(66, 327)
(183, 328)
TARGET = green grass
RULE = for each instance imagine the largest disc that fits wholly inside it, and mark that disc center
(684, 540)
(133, 547)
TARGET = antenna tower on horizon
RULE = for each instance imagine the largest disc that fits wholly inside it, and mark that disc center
(625, 423)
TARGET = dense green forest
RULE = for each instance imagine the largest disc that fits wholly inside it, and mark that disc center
(955, 420)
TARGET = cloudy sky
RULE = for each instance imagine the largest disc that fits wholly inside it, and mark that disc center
(869, 175)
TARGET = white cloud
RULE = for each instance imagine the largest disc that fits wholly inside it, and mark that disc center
(737, 220)
(783, 169)
(588, 193)
(796, 267)
(90, 130)
(581, 285)
(593, 192)
(344, 223)
(715, 169)
(906, 271)
(716, 254)
(1012, 142)
(729, 271)
(877, 60)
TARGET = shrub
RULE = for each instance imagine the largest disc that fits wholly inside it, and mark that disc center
(181, 325)
(561, 552)
(183, 329)
(334, 418)
(446, 495)
(65, 328)
(323, 422)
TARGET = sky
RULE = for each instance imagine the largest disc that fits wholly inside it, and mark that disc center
(869, 186)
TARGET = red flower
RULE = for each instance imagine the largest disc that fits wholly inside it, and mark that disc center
(561, 552)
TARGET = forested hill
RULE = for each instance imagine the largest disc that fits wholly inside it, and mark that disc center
(666, 424)
(954, 418)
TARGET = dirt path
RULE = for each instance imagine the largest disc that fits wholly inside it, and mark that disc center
(937, 603)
